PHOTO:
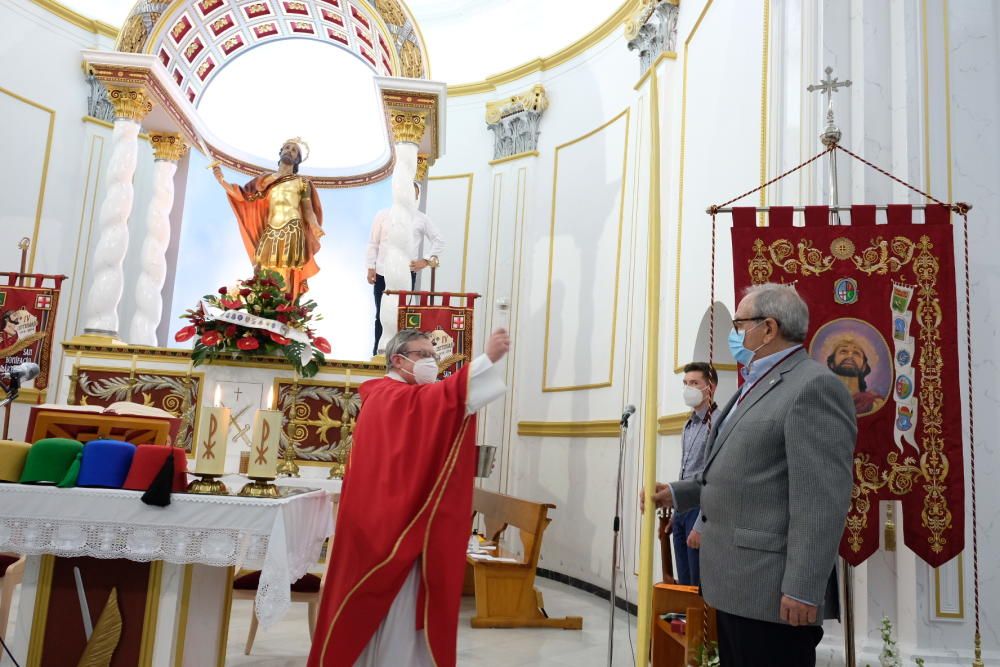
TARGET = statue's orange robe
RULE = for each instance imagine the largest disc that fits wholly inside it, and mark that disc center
(407, 494)
(251, 212)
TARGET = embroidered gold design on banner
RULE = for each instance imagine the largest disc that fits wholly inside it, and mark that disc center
(899, 477)
(842, 248)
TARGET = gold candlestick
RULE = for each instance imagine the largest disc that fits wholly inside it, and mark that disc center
(288, 467)
(343, 450)
(262, 466)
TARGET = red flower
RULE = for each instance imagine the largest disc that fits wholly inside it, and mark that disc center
(248, 343)
(245, 292)
(280, 340)
(283, 308)
(223, 290)
(210, 338)
(322, 344)
(231, 304)
(288, 296)
(282, 318)
(187, 333)
(231, 330)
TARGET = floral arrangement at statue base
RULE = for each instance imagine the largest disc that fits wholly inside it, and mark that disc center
(256, 318)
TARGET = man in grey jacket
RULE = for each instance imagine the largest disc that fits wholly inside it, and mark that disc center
(775, 490)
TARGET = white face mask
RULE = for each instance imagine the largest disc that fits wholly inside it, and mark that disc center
(693, 396)
(425, 371)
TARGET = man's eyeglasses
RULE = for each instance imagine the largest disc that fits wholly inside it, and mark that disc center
(421, 354)
(737, 322)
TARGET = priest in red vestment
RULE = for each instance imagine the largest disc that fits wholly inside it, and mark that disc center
(394, 580)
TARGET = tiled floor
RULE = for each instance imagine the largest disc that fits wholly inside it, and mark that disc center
(287, 644)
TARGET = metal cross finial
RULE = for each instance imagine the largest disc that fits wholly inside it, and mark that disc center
(828, 86)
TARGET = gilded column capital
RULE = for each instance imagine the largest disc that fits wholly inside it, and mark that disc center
(514, 121)
(652, 30)
(168, 146)
(422, 166)
(129, 103)
(407, 126)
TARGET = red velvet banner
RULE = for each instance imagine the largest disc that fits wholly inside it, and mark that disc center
(27, 319)
(882, 310)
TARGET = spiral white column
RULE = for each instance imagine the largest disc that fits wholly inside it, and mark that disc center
(408, 128)
(167, 150)
(101, 306)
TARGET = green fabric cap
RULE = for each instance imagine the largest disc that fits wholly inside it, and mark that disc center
(50, 460)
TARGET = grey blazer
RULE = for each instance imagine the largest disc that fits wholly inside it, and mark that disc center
(775, 491)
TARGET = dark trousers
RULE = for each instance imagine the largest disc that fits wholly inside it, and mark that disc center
(746, 642)
(688, 572)
(379, 289)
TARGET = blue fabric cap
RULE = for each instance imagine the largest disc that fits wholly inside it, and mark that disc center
(105, 463)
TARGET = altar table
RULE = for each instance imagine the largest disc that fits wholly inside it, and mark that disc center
(172, 568)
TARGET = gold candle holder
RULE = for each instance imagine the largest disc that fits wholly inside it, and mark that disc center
(207, 485)
(288, 467)
(260, 488)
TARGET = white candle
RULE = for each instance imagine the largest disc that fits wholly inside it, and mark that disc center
(264, 451)
(213, 434)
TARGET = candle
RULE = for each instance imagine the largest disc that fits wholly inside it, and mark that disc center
(213, 435)
(264, 451)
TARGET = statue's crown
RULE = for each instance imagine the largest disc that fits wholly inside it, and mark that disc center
(303, 147)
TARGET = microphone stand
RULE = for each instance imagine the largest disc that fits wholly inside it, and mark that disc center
(616, 527)
(13, 388)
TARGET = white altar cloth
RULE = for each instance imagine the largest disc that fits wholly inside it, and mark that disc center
(282, 538)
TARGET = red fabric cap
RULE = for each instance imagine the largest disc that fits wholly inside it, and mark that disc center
(147, 462)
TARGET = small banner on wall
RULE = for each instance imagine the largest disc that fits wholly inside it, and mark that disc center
(882, 317)
(449, 320)
(28, 303)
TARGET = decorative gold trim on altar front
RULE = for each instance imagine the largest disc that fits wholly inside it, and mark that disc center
(672, 424)
(511, 158)
(618, 256)
(678, 366)
(130, 103)
(97, 350)
(298, 417)
(608, 27)
(168, 146)
(148, 640)
(79, 20)
(407, 126)
(604, 428)
(182, 614)
(45, 169)
(43, 589)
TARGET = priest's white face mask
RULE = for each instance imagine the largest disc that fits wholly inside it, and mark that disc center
(423, 369)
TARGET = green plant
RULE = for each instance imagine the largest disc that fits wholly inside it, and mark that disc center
(708, 655)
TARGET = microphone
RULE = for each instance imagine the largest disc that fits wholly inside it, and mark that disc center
(24, 372)
(629, 411)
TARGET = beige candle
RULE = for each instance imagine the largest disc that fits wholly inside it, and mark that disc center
(264, 450)
(213, 434)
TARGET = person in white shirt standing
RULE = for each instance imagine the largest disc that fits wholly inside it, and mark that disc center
(427, 247)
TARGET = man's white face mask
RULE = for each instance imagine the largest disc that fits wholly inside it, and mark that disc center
(425, 371)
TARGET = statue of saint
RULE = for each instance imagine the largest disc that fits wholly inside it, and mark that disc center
(280, 218)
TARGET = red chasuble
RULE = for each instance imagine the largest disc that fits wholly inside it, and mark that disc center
(407, 495)
(251, 212)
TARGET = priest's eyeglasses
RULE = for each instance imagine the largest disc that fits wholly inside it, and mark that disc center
(421, 354)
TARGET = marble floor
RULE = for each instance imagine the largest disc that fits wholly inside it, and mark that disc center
(287, 644)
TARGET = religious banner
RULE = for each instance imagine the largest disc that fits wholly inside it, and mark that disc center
(882, 317)
(27, 319)
(447, 317)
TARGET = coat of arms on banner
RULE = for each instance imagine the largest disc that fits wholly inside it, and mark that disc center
(895, 350)
(27, 320)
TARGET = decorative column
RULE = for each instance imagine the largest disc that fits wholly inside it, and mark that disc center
(515, 123)
(423, 164)
(101, 307)
(652, 31)
(167, 150)
(408, 130)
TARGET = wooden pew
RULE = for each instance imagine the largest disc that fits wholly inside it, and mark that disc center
(671, 649)
(506, 596)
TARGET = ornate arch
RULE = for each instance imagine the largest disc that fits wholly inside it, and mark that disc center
(195, 39)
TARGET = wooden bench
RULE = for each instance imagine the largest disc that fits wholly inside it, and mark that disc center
(505, 592)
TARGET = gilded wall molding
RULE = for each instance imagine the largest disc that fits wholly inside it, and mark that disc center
(604, 428)
(672, 424)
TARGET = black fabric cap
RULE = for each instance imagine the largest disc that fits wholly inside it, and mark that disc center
(158, 492)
